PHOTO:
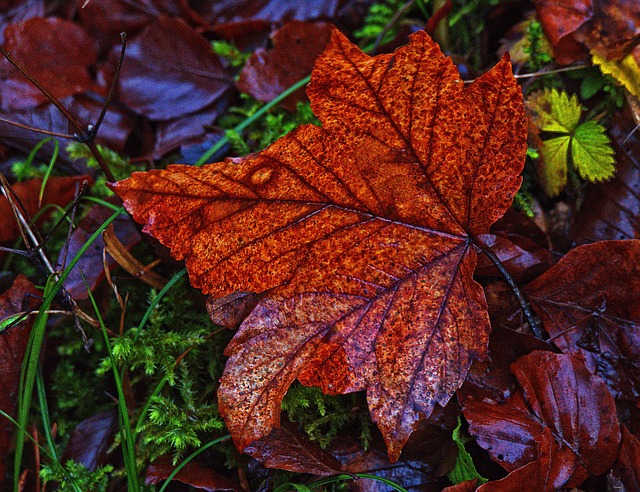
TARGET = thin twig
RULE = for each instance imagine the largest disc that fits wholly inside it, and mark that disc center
(37, 130)
(401, 11)
(524, 304)
(85, 136)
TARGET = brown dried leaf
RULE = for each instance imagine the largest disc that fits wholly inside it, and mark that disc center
(59, 191)
(359, 233)
(286, 449)
(610, 28)
(193, 473)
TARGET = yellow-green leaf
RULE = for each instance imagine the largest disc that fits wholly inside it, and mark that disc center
(591, 154)
(554, 111)
(625, 71)
(553, 164)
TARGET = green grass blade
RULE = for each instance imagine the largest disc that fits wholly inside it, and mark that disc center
(127, 436)
(32, 353)
(52, 162)
(257, 115)
(190, 457)
(157, 299)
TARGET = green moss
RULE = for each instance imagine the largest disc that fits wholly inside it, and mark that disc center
(322, 417)
(73, 476)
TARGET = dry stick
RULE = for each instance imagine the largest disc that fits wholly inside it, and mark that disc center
(524, 304)
(86, 137)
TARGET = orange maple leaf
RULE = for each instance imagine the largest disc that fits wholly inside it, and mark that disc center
(358, 234)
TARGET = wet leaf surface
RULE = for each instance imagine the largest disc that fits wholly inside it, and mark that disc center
(589, 305)
(91, 439)
(627, 466)
(89, 271)
(555, 432)
(576, 26)
(612, 208)
(107, 19)
(170, 71)
(520, 245)
(333, 220)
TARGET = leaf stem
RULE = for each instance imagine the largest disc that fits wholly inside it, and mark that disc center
(524, 304)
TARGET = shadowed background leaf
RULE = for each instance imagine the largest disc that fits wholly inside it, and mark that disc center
(588, 303)
(560, 429)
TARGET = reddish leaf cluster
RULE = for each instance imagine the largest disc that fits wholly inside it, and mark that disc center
(345, 255)
(610, 28)
(172, 86)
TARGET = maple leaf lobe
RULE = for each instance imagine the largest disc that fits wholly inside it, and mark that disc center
(357, 234)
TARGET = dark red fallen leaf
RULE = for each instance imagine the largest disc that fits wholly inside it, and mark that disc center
(576, 26)
(270, 11)
(193, 473)
(18, 12)
(588, 303)
(520, 245)
(90, 440)
(467, 486)
(627, 466)
(427, 457)
(557, 431)
(170, 71)
(504, 308)
(13, 343)
(491, 378)
(90, 265)
(56, 51)
(59, 191)
(522, 258)
(286, 449)
(611, 208)
(538, 475)
(106, 19)
(295, 48)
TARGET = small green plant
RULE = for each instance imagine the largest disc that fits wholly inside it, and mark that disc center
(263, 131)
(323, 417)
(583, 145)
(230, 52)
(120, 166)
(72, 476)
